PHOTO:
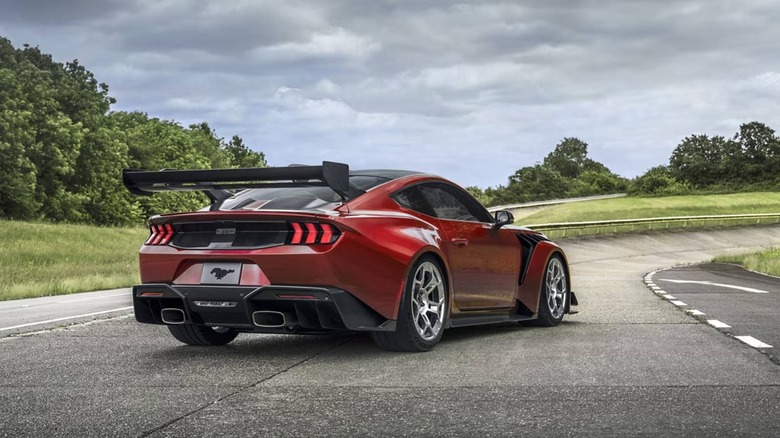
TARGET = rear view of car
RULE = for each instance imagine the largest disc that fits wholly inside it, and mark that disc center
(320, 249)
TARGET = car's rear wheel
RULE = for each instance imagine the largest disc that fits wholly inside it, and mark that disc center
(554, 294)
(423, 310)
(193, 334)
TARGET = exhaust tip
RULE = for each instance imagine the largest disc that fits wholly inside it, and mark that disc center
(172, 316)
(268, 319)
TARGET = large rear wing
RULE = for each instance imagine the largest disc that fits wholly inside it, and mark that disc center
(218, 183)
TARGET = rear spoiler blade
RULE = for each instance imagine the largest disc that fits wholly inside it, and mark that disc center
(218, 182)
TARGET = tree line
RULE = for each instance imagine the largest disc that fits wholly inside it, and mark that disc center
(62, 148)
(748, 161)
(566, 172)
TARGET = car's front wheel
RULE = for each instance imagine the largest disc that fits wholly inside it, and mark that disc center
(423, 310)
(554, 294)
(193, 334)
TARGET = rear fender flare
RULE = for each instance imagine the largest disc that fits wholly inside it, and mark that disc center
(437, 254)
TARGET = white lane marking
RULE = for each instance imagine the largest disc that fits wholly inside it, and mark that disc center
(753, 342)
(64, 319)
(660, 292)
(669, 297)
(127, 294)
(710, 283)
(678, 303)
(655, 287)
(717, 324)
(695, 312)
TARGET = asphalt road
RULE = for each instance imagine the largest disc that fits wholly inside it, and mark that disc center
(630, 364)
(738, 302)
(24, 316)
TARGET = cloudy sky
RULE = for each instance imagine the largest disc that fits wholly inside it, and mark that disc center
(471, 90)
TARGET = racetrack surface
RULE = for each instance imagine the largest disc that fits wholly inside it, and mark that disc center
(630, 363)
(738, 302)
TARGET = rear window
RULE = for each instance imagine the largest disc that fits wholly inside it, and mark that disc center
(297, 198)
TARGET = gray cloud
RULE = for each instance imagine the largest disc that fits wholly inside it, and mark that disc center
(472, 90)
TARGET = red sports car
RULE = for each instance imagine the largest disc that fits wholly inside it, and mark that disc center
(321, 249)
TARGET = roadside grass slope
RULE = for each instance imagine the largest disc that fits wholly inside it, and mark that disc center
(39, 259)
(635, 208)
(767, 261)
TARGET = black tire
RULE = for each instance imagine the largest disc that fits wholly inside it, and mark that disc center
(551, 314)
(406, 336)
(201, 335)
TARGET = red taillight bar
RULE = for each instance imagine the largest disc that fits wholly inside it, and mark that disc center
(297, 233)
(161, 234)
(312, 233)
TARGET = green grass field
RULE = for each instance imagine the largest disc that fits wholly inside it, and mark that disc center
(38, 259)
(634, 208)
(767, 261)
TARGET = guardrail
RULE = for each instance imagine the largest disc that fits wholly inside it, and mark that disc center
(553, 202)
(575, 229)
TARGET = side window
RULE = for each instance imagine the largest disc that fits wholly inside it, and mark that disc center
(412, 199)
(445, 204)
(474, 207)
(452, 203)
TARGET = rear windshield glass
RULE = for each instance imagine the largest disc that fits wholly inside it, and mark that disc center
(297, 198)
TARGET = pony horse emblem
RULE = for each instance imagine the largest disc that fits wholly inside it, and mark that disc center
(220, 273)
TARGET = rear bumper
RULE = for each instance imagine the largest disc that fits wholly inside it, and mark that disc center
(306, 309)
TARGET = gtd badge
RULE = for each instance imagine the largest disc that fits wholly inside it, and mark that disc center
(225, 231)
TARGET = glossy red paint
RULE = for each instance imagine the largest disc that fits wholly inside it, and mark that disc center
(378, 242)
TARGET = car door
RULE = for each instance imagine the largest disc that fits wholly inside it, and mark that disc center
(484, 261)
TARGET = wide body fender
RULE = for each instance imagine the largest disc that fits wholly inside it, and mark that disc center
(528, 292)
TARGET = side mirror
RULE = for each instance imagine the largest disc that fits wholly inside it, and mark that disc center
(503, 217)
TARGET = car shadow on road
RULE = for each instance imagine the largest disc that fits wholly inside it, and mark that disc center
(263, 346)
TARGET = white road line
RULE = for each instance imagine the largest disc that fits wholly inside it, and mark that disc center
(695, 312)
(654, 287)
(127, 294)
(753, 342)
(669, 297)
(717, 324)
(678, 303)
(709, 283)
(660, 292)
(64, 319)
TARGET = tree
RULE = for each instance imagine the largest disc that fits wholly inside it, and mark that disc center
(657, 181)
(536, 183)
(241, 156)
(568, 158)
(62, 150)
(760, 151)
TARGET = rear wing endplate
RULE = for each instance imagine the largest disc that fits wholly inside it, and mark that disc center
(218, 183)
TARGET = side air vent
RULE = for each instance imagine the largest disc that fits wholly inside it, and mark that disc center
(528, 244)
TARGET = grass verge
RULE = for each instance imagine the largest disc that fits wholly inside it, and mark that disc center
(634, 208)
(39, 259)
(668, 206)
(766, 261)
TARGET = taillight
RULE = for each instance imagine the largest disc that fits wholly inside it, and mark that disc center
(311, 233)
(161, 234)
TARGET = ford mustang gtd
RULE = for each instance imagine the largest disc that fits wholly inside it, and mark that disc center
(319, 249)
